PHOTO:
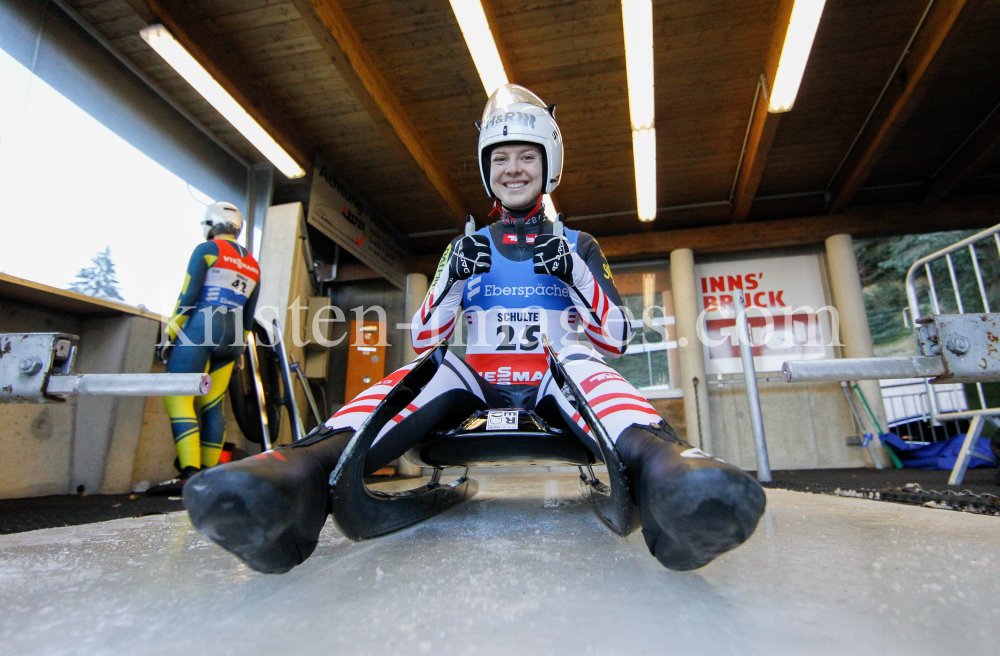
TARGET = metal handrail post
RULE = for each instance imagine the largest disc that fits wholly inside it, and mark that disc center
(259, 389)
(292, 406)
(753, 397)
(979, 278)
(965, 453)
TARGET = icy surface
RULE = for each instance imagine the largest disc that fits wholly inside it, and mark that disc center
(525, 567)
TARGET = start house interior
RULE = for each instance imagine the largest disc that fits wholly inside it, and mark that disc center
(761, 239)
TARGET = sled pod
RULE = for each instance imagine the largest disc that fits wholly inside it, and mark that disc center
(361, 513)
(612, 502)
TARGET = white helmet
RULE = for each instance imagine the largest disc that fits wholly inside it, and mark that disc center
(515, 114)
(222, 217)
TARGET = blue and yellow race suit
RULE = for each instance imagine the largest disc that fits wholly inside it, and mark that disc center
(214, 310)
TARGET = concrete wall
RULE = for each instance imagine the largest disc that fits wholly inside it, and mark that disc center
(805, 426)
(36, 440)
(106, 430)
(97, 445)
(87, 444)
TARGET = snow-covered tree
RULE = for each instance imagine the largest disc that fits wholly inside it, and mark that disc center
(98, 280)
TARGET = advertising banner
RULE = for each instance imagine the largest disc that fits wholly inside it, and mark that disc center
(786, 308)
(346, 219)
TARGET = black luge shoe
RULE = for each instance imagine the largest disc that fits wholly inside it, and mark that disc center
(174, 486)
(269, 509)
(693, 507)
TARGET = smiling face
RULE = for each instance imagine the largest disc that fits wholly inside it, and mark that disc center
(516, 175)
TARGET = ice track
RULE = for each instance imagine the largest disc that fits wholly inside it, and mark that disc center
(525, 567)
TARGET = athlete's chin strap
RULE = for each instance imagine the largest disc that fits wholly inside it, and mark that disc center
(518, 221)
(522, 234)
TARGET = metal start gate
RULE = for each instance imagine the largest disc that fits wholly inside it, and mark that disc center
(39, 368)
(952, 348)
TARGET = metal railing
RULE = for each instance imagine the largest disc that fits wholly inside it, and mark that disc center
(908, 409)
(959, 347)
(991, 237)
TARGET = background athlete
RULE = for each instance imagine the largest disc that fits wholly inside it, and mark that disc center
(515, 281)
(206, 335)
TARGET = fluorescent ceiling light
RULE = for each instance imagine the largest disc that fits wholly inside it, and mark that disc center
(795, 53)
(483, 48)
(479, 39)
(644, 155)
(637, 20)
(181, 60)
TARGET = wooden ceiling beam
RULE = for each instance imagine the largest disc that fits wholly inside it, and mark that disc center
(342, 43)
(786, 233)
(942, 26)
(763, 124)
(783, 233)
(970, 158)
(177, 17)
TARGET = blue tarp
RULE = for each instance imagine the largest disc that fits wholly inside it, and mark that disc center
(939, 455)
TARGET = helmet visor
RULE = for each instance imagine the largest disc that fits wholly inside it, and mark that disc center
(507, 95)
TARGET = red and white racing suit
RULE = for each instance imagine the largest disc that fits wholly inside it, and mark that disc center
(269, 510)
(507, 311)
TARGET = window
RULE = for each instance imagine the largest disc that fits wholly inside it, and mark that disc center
(651, 362)
(91, 161)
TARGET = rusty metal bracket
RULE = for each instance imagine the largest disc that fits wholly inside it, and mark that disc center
(967, 344)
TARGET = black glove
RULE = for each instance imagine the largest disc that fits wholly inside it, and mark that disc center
(471, 256)
(554, 257)
(163, 352)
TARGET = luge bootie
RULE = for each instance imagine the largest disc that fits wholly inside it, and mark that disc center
(268, 509)
(693, 507)
(175, 486)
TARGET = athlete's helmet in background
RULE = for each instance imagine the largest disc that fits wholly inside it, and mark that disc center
(514, 114)
(222, 218)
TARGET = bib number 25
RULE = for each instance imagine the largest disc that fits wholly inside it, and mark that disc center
(506, 333)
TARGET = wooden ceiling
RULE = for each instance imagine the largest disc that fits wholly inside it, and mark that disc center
(895, 128)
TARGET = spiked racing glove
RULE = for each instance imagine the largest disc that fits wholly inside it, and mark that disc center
(471, 256)
(553, 256)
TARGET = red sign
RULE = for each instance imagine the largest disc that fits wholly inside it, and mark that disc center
(787, 310)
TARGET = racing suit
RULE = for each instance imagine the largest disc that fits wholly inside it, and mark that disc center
(217, 302)
(692, 507)
(507, 311)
